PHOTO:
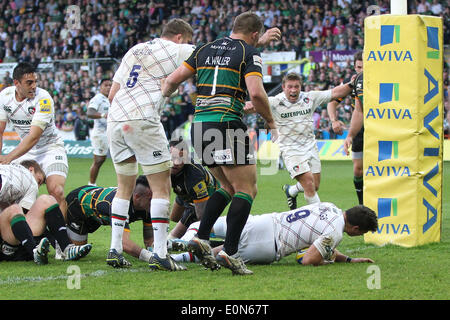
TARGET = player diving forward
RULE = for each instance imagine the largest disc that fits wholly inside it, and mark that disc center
(89, 207)
(320, 226)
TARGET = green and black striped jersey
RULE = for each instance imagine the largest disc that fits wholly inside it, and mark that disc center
(358, 90)
(221, 67)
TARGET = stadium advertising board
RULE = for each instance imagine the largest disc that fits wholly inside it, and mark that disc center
(403, 121)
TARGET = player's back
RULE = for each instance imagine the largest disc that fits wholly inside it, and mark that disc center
(221, 67)
(17, 185)
(140, 74)
(299, 228)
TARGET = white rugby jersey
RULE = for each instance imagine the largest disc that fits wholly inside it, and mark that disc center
(38, 111)
(295, 120)
(321, 224)
(140, 74)
(18, 185)
(101, 104)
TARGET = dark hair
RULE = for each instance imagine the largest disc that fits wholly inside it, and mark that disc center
(22, 69)
(292, 76)
(179, 143)
(363, 217)
(358, 57)
(247, 22)
(177, 26)
(31, 163)
(142, 180)
(103, 80)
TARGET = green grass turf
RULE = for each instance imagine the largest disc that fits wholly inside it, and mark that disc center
(405, 273)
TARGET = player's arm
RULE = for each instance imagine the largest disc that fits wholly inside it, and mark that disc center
(336, 125)
(313, 257)
(24, 146)
(356, 124)
(2, 130)
(112, 92)
(272, 34)
(343, 258)
(200, 206)
(342, 91)
(177, 210)
(147, 233)
(92, 113)
(260, 101)
(171, 83)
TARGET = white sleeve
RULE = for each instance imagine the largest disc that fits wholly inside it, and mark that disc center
(93, 103)
(185, 52)
(319, 97)
(326, 243)
(45, 111)
(3, 114)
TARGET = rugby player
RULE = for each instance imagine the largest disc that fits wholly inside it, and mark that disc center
(89, 207)
(97, 109)
(19, 189)
(358, 139)
(319, 227)
(30, 109)
(226, 69)
(293, 112)
(192, 183)
(136, 135)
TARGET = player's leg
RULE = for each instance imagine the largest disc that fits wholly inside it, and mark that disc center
(95, 168)
(55, 187)
(357, 158)
(14, 230)
(45, 212)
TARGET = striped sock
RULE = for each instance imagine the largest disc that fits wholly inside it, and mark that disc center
(159, 209)
(56, 225)
(119, 216)
(214, 208)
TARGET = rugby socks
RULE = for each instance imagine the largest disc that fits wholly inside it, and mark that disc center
(23, 233)
(214, 208)
(359, 183)
(313, 199)
(295, 189)
(236, 218)
(159, 209)
(119, 216)
(56, 225)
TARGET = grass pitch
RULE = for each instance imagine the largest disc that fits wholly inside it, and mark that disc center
(405, 273)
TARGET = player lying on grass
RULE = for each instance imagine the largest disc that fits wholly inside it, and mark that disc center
(320, 226)
(89, 207)
(19, 186)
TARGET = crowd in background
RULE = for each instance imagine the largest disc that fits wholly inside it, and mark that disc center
(39, 31)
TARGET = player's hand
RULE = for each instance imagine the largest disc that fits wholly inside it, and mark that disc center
(347, 144)
(272, 34)
(337, 126)
(249, 108)
(4, 160)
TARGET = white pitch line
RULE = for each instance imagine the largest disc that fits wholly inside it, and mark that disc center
(98, 273)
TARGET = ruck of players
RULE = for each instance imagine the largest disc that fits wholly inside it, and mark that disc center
(212, 174)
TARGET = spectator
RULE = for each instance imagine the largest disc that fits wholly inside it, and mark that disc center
(81, 126)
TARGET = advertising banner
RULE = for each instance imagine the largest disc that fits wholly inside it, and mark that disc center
(403, 123)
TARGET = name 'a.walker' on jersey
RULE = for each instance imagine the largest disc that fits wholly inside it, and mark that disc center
(221, 68)
(295, 120)
(38, 111)
(140, 74)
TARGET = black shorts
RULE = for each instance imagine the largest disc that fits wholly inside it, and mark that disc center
(77, 221)
(222, 143)
(358, 141)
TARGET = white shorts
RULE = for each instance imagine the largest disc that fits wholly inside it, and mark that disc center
(296, 164)
(144, 139)
(52, 161)
(257, 242)
(99, 142)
